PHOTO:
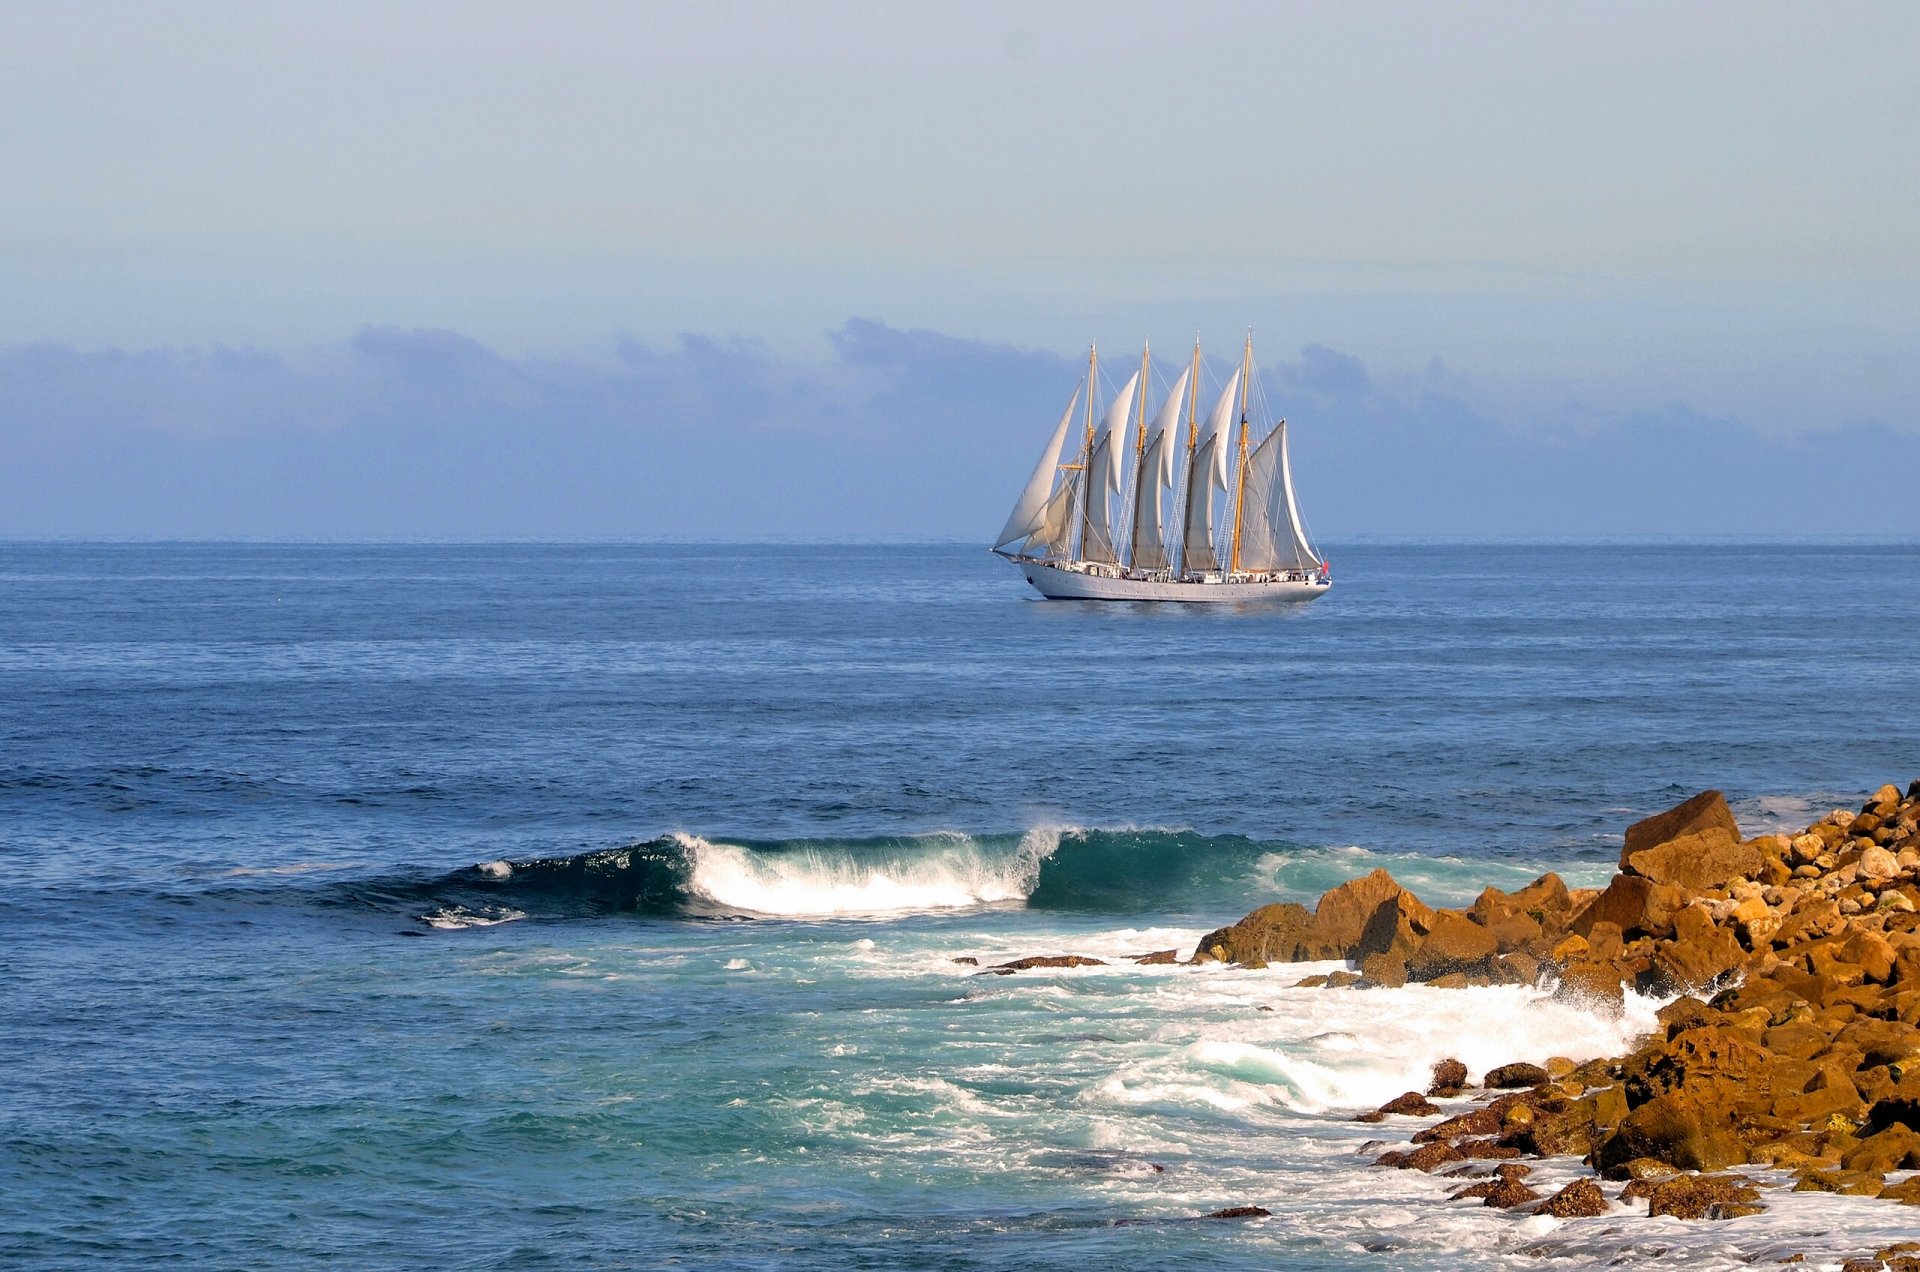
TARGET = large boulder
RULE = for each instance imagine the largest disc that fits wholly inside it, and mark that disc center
(1453, 943)
(1271, 934)
(1344, 913)
(1637, 906)
(1673, 1128)
(1694, 845)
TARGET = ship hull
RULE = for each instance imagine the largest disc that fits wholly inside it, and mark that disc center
(1064, 583)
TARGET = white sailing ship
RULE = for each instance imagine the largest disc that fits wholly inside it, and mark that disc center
(1114, 526)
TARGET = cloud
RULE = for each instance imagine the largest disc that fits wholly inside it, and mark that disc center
(898, 433)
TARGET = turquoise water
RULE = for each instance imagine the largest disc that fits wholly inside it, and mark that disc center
(596, 905)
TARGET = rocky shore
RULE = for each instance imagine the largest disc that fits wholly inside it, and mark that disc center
(1792, 1041)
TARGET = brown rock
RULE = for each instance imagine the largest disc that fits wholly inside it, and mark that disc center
(1672, 1128)
(1412, 1104)
(1241, 1212)
(1342, 916)
(1518, 1074)
(1637, 905)
(1591, 984)
(1158, 958)
(1906, 1192)
(1695, 845)
(1271, 934)
(1430, 1157)
(1851, 1183)
(1699, 954)
(1705, 814)
(1385, 969)
(1449, 1076)
(1581, 1199)
(1453, 943)
(1048, 960)
(1896, 1148)
(1703, 1197)
(1872, 954)
(1508, 1193)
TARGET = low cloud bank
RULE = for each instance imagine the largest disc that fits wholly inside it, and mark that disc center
(898, 433)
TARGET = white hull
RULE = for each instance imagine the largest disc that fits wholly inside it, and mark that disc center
(1074, 581)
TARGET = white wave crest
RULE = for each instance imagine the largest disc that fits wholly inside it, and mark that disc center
(936, 872)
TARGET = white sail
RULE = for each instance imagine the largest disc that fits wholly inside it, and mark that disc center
(1104, 473)
(1156, 479)
(1206, 478)
(1196, 545)
(1293, 505)
(1270, 537)
(1026, 517)
(1051, 537)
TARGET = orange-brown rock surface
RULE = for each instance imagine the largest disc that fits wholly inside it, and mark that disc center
(1793, 1037)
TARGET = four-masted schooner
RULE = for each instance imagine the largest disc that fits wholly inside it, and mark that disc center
(1117, 527)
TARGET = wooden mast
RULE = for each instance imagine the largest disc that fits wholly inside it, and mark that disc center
(1240, 487)
(1139, 460)
(1193, 439)
(1086, 452)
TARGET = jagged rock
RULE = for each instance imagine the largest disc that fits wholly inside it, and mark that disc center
(1695, 845)
(967, 960)
(1241, 1212)
(1157, 958)
(1636, 906)
(1342, 916)
(1592, 983)
(1518, 1074)
(1412, 1104)
(1449, 1076)
(1581, 1199)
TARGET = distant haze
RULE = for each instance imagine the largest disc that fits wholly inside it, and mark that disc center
(720, 270)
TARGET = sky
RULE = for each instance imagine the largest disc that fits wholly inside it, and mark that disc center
(830, 270)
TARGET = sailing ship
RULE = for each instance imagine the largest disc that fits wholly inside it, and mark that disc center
(1112, 526)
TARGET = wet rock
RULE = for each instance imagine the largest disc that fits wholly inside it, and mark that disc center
(1272, 934)
(1047, 960)
(1412, 1104)
(1453, 943)
(1581, 1199)
(967, 960)
(1449, 1076)
(1672, 1128)
(1241, 1212)
(1703, 1197)
(1518, 1074)
(1432, 1156)
(1158, 958)
(1851, 1183)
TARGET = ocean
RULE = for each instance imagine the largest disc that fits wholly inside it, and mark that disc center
(597, 905)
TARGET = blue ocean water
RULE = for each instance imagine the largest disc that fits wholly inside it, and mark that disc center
(561, 905)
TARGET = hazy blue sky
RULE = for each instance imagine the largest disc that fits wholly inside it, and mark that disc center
(727, 268)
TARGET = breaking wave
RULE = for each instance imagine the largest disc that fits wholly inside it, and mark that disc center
(1049, 868)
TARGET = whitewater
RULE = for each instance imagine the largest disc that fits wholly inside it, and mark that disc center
(625, 905)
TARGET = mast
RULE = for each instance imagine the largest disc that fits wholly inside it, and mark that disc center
(1193, 440)
(1086, 453)
(1139, 457)
(1240, 486)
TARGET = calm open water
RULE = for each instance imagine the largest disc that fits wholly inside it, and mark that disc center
(593, 905)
